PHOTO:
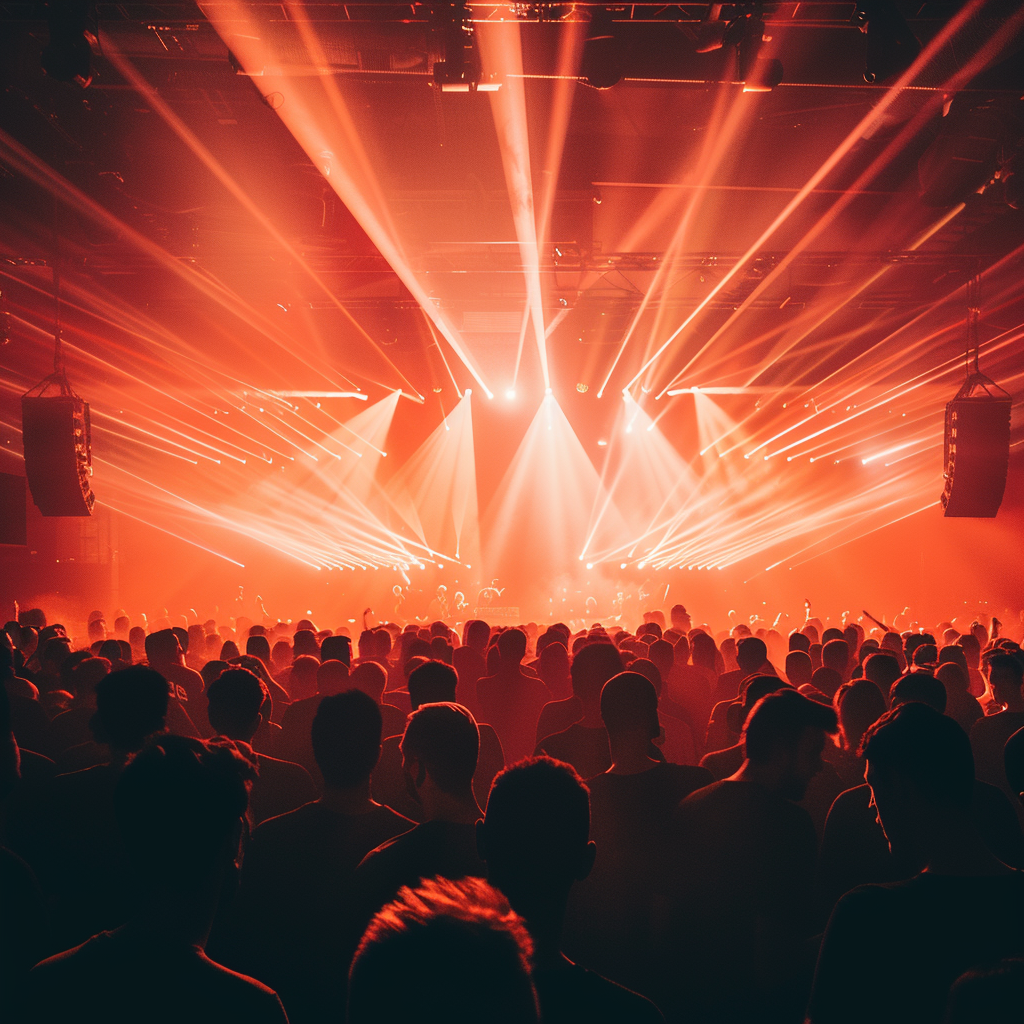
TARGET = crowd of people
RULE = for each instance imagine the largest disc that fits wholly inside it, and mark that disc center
(254, 821)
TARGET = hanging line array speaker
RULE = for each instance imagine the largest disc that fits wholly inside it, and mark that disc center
(58, 454)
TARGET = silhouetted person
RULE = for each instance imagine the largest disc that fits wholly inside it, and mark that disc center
(960, 705)
(751, 656)
(164, 653)
(584, 744)
(451, 951)
(859, 705)
(234, 702)
(297, 874)
(609, 921)
(989, 734)
(535, 840)
(431, 682)
(723, 763)
(891, 952)
(372, 680)
(439, 755)
(883, 669)
(743, 866)
(511, 700)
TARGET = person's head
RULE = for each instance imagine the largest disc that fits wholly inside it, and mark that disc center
(680, 618)
(955, 654)
(988, 995)
(1006, 677)
(971, 647)
(96, 629)
(259, 647)
(663, 656)
(535, 836)
(798, 667)
(704, 652)
(836, 656)
(53, 654)
(751, 654)
(591, 668)
(883, 669)
(629, 709)
(302, 680)
(234, 700)
(752, 689)
(432, 682)
(920, 687)
(919, 766)
(799, 642)
(440, 747)
(111, 650)
(826, 680)
(179, 805)
(370, 677)
(554, 666)
(925, 654)
(304, 643)
(445, 950)
(332, 677)
(85, 677)
(163, 647)
(784, 735)
(858, 705)
(131, 704)
(512, 646)
(476, 634)
(346, 738)
(336, 648)
(954, 679)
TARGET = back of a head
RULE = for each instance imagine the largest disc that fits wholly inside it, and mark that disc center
(332, 677)
(370, 677)
(512, 646)
(259, 647)
(445, 739)
(85, 676)
(751, 654)
(798, 667)
(444, 951)
(988, 995)
(336, 648)
(629, 704)
(346, 738)
(799, 642)
(235, 698)
(302, 681)
(663, 655)
(304, 643)
(477, 634)
(537, 826)
(925, 654)
(433, 682)
(779, 721)
(955, 654)
(920, 744)
(836, 655)
(131, 704)
(161, 645)
(859, 705)
(703, 651)
(554, 658)
(592, 667)
(178, 804)
(882, 669)
(920, 687)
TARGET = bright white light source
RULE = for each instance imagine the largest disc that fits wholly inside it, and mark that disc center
(602, 443)
(622, 565)
(510, 394)
(547, 391)
(467, 392)
(590, 565)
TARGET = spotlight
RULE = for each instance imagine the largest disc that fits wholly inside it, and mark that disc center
(467, 392)
(67, 57)
(892, 47)
(510, 394)
(601, 66)
(622, 565)
(590, 565)
(746, 33)
(437, 391)
(460, 70)
(582, 388)
(547, 391)
(602, 443)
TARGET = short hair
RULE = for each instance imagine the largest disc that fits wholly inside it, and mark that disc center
(799, 664)
(336, 648)
(131, 704)
(836, 654)
(446, 950)
(799, 642)
(234, 700)
(87, 673)
(592, 667)
(370, 677)
(177, 803)
(882, 669)
(432, 682)
(304, 643)
(477, 633)
(512, 645)
(445, 739)
(629, 702)
(346, 738)
(779, 720)
(751, 653)
(925, 746)
(258, 646)
(161, 644)
(332, 676)
(537, 821)
(859, 704)
(922, 687)
(1006, 663)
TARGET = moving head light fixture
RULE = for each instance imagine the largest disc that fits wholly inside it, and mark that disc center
(745, 32)
(460, 70)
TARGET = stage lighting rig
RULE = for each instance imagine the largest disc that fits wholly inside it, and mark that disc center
(602, 64)
(460, 70)
(745, 32)
(892, 47)
(67, 57)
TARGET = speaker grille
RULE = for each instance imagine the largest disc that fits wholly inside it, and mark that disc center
(977, 454)
(58, 455)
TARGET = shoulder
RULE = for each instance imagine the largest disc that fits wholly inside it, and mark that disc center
(593, 997)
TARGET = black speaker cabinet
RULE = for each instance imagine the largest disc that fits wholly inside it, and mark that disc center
(56, 436)
(977, 454)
